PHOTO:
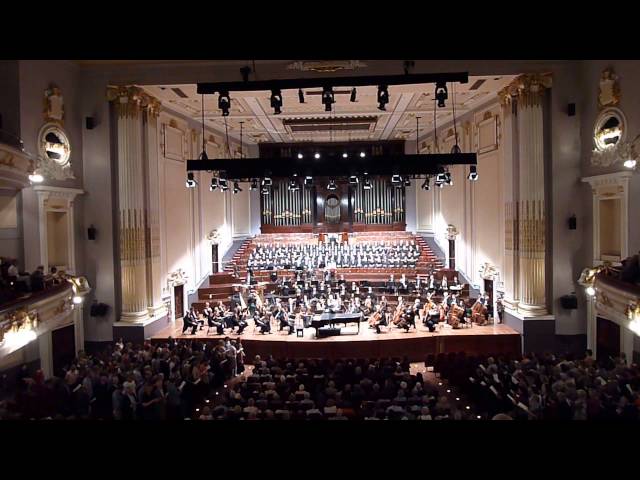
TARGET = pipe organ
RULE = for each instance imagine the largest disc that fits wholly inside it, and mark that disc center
(350, 207)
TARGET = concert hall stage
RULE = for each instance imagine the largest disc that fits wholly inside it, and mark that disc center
(367, 344)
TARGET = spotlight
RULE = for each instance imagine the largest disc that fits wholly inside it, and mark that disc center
(441, 93)
(77, 299)
(327, 98)
(224, 103)
(396, 179)
(254, 184)
(383, 97)
(266, 182)
(473, 173)
(316, 156)
(590, 291)
(353, 180)
(191, 182)
(224, 184)
(362, 154)
(447, 179)
(407, 182)
(214, 184)
(353, 95)
(236, 187)
(276, 101)
(293, 183)
(630, 163)
(425, 185)
(308, 181)
(36, 178)
(367, 183)
(345, 155)
(332, 185)
(300, 95)
(300, 156)
(265, 190)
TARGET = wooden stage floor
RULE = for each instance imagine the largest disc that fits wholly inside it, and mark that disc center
(365, 344)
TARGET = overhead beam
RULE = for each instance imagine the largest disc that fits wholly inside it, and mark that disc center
(332, 165)
(294, 83)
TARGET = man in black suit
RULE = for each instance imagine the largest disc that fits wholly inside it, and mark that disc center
(190, 320)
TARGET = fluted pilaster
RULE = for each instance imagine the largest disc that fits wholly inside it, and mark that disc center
(527, 216)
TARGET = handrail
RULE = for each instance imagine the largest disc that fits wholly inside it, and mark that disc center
(34, 297)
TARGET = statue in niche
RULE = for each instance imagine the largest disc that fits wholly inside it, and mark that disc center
(54, 105)
(609, 94)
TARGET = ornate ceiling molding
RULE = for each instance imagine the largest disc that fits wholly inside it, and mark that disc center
(527, 89)
(326, 66)
(131, 100)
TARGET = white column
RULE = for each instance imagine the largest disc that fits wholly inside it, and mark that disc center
(45, 353)
(132, 214)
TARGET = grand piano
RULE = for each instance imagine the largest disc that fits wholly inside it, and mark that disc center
(330, 319)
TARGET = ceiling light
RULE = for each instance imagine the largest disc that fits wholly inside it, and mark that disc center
(353, 180)
(236, 187)
(327, 98)
(191, 182)
(224, 103)
(396, 179)
(362, 154)
(441, 93)
(332, 185)
(36, 178)
(300, 95)
(276, 101)
(383, 97)
(345, 155)
(473, 173)
(316, 156)
(300, 156)
(630, 163)
(254, 184)
(353, 95)
(425, 185)
(214, 184)
(308, 181)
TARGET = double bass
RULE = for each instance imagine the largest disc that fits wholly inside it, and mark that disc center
(456, 315)
(479, 313)
(397, 316)
(375, 318)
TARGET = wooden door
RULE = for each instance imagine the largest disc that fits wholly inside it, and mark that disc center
(607, 339)
(178, 296)
(63, 348)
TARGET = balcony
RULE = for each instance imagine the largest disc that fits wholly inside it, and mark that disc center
(15, 164)
(617, 299)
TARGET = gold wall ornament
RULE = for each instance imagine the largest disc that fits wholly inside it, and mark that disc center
(53, 105)
(608, 89)
(527, 89)
(131, 100)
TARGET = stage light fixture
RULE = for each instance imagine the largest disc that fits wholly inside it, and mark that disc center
(631, 164)
(448, 180)
(362, 154)
(293, 183)
(473, 173)
(328, 98)
(191, 182)
(254, 184)
(441, 93)
(332, 185)
(36, 178)
(456, 149)
(308, 181)
(345, 155)
(300, 156)
(224, 184)
(383, 97)
(316, 156)
(214, 184)
(353, 179)
(396, 179)
(425, 185)
(276, 101)
(224, 103)
(236, 187)
(300, 95)
(367, 183)
(353, 95)
(266, 182)
(407, 182)
(265, 191)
